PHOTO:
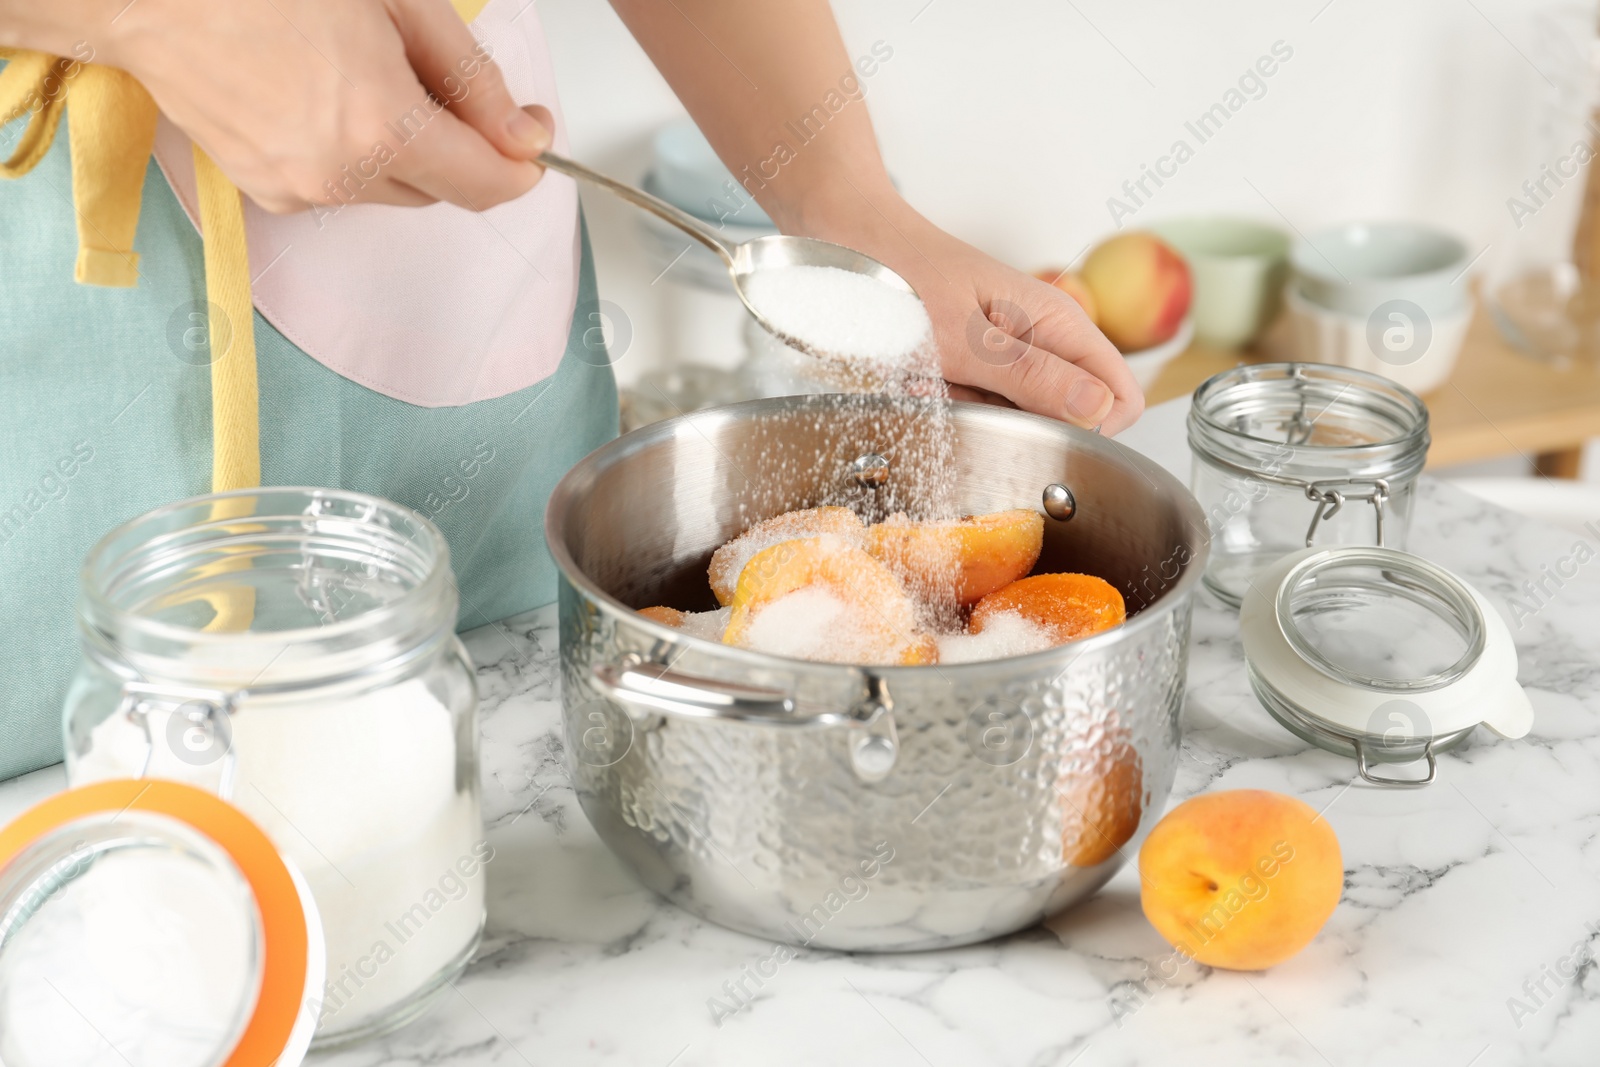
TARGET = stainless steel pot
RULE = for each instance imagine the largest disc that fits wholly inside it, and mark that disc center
(867, 808)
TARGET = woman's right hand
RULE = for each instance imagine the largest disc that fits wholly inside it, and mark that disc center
(311, 102)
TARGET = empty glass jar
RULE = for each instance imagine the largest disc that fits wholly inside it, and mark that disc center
(1291, 455)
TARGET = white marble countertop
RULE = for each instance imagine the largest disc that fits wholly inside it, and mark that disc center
(1466, 934)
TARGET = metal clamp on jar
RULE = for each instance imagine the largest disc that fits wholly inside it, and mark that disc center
(1285, 454)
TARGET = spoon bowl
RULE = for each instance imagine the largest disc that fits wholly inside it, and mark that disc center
(745, 258)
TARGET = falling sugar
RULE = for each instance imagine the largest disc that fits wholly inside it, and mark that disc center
(878, 342)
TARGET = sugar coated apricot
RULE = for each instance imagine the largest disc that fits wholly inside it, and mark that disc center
(1067, 606)
(730, 559)
(826, 599)
(976, 555)
(666, 616)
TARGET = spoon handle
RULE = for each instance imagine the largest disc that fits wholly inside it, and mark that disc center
(655, 205)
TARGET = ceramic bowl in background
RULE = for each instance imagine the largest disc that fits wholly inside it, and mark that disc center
(1416, 350)
(1146, 363)
(1239, 268)
(1360, 266)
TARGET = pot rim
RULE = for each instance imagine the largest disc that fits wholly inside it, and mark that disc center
(1175, 595)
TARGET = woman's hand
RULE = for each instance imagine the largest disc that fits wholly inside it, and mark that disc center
(1001, 333)
(311, 102)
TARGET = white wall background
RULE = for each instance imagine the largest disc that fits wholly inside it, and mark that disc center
(1010, 122)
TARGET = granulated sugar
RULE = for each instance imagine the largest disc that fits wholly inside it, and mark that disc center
(729, 560)
(878, 342)
(816, 624)
(361, 792)
(806, 624)
(706, 624)
(1007, 634)
(841, 313)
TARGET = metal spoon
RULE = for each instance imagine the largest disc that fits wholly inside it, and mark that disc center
(747, 257)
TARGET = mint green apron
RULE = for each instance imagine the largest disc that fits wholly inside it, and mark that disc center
(105, 413)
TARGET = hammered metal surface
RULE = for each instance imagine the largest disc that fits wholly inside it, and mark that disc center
(1006, 772)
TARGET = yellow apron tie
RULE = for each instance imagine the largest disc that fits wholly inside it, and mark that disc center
(112, 130)
(32, 82)
(112, 124)
(235, 429)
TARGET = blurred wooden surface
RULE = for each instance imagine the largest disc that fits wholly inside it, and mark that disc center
(1496, 402)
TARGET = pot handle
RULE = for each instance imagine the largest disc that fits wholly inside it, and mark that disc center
(656, 688)
(874, 746)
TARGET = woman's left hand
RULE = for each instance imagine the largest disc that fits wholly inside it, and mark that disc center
(999, 331)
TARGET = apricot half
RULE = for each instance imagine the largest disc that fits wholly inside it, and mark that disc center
(706, 624)
(666, 616)
(977, 555)
(730, 559)
(823, 598)
(1241, 879)
(1066, 606)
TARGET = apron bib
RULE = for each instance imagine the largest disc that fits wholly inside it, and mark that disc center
(106, 402)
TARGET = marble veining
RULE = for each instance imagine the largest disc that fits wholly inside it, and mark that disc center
(1466, 934)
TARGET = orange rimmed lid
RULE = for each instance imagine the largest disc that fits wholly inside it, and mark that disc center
(148, 921)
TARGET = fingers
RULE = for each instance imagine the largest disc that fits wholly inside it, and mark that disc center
(448, 160)
(1063, 329)
(1039, 381)
(456, 68)
(979, 396)
(1044, 354)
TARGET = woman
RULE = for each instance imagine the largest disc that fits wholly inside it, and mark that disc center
(414, 274)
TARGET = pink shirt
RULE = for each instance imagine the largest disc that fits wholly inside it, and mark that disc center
(437, 306)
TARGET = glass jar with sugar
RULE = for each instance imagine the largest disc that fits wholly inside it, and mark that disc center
(294, 650)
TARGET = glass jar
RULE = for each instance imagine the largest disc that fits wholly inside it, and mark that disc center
(1541, 281)
(1291, 455)
(294, 651)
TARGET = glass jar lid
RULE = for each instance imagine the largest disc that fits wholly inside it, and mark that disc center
(147, 922)
(1381, 655)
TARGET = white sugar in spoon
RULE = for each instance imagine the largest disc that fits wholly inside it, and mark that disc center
(745, 258)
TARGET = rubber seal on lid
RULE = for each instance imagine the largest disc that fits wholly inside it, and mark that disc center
(1380, 655)
(1381, 581)
(93, 906)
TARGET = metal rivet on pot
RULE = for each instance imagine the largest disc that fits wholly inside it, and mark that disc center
(1059, 503)
(870, 470)
(874, 756)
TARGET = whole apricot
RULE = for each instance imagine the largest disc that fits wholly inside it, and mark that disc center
(1241, 879)
(1072, 283)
